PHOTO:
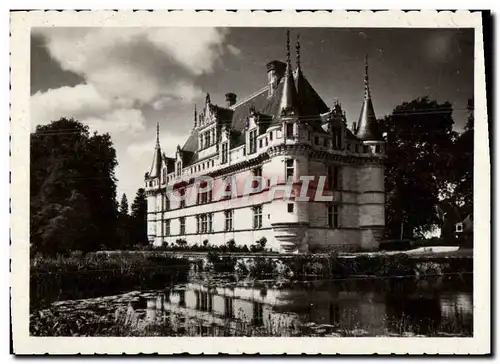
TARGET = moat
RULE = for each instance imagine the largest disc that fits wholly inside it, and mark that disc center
(435, 306)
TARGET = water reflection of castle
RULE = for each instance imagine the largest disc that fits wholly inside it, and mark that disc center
(197, 309)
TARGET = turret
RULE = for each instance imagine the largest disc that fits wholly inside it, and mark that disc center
(288, 103)
(367, 127)
(157, 158)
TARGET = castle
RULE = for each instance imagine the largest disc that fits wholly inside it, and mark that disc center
(280, 133)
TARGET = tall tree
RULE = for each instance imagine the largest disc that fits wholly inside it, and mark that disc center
(124, 205)
(72, 188)
(420, 144)
(139, 211)
(124, 225)
(464, 165)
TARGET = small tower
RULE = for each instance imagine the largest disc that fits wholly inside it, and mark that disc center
(154, 198)
(371, 174)
(288, 103)
(289, 218)
(367, 128)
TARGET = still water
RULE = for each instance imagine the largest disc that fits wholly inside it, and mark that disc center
(364, 307)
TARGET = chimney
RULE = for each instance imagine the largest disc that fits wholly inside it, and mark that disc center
(275, 72)
(230, 99)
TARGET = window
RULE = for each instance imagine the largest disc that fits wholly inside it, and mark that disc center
(167, 203)
(167, 227)
(164, 177)
(198, 224)
(336, 139)
(349, 146)
(271, 136)
(325, 142)
(289, 169)
(210, 226)
(290, 207)
(357, 148)
(260, 143)
(333, 216)
(333, 177)
(228, 307)
(206, 196)
(204, 223)
(316, 140)
(225, 153)
(179, 168)
(365, 149)
(257, 172)
(257, 217)
(253, 141)
(258, 314)
(289, 131)
(182, 203)
(207, 137)
(377, 149)
(228, 225)
(182, 225)
(459, 227)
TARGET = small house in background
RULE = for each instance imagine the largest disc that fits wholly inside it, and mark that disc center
(455, 227)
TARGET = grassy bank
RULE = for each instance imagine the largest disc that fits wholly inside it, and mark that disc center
(310, 267)
(80, 275)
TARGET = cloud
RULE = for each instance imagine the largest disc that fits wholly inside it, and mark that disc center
(84, 103)
(125, 70)
(129, 121)
(234, 50)
(143, 150)
(130, 75)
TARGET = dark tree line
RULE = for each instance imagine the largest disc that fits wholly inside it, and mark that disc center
(73, 190)
(73, 202)
(427, 162)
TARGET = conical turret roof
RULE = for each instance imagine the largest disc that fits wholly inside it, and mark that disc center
(288, 103)
(368, 128)
(157, 159)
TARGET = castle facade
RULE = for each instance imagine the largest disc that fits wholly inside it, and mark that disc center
(285, 135)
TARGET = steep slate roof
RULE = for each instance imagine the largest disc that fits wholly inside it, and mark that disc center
(310, 104)
(170, 162)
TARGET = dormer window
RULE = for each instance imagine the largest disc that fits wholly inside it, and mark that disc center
(179, 169)
(225, 153)
(253, 141)
(336, 139)
(289, 131)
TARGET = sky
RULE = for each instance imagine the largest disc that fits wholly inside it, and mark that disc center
(123, 81)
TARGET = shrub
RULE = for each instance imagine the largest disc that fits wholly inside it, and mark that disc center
(221, 264)
(241, 269)
(261, 268)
